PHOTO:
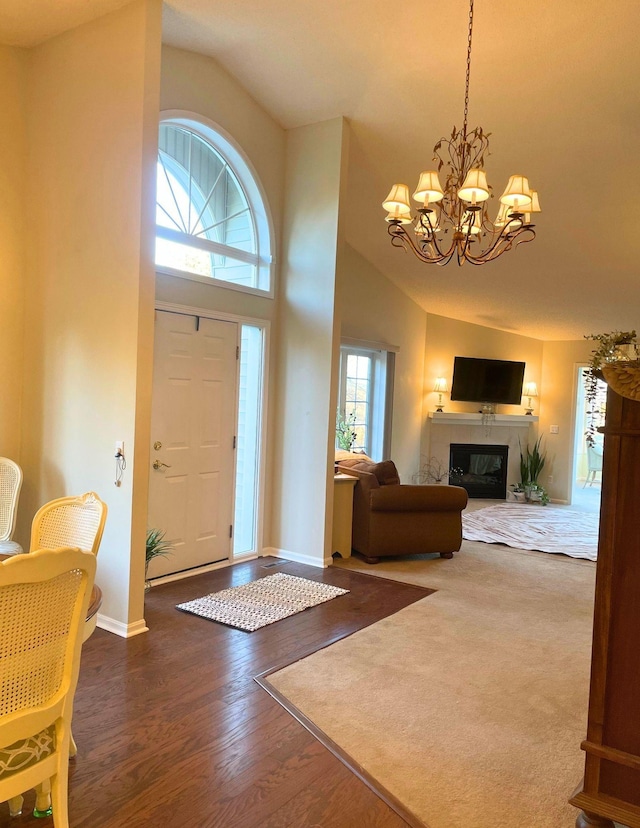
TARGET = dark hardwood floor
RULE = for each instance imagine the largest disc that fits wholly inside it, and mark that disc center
(173, 731)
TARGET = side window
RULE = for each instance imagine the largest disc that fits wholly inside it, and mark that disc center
(365, 379)
(211, 220)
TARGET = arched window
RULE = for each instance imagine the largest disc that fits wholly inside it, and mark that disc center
(211, 218)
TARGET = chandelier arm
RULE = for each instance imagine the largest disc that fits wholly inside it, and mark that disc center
(502, 245)
(502, 241)
(400, 238)
(463, 249)
(434, 241)
(441, 256)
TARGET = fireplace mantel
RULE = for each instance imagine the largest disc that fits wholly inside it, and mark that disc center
(458, 418)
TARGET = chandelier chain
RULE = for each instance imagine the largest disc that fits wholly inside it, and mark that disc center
(466, 88)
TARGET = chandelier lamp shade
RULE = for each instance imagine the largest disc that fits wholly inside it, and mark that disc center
(453, 221)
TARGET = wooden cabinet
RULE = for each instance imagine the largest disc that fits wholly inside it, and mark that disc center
(611, 786)
(342, 514)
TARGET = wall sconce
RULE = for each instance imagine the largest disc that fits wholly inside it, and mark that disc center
(441, 388)
(530, 390)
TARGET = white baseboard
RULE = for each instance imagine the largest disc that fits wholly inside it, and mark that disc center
(295, 556)
(118, 628)
(200, 570)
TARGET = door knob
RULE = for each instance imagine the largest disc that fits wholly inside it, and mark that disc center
(157, 465)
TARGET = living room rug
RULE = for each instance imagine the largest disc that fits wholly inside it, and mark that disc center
(470, 706)
(262, 602)
(540, 528)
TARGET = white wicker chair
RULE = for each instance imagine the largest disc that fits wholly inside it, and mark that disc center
(70, 521)
(43, 604)
(10, 485)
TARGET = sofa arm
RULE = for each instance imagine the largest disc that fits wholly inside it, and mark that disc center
(406, 498)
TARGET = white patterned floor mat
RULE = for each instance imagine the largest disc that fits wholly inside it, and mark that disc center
(537, 528)
(262, 602)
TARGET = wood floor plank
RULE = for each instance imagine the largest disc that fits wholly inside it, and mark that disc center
(174, 731)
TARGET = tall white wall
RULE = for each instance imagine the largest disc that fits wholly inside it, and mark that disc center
(198, 84)
(374, 309)
(92, 106)
(13, 156)
(305, 390)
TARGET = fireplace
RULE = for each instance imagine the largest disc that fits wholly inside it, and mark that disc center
(480, 469)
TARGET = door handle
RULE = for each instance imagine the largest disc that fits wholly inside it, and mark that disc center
(157, 465)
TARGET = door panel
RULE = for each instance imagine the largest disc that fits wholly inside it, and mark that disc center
(194, 420)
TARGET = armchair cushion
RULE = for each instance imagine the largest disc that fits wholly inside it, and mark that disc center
(384, 472)
(342, 454)
(418, 499)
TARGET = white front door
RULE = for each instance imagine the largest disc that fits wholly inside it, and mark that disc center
(193, 426)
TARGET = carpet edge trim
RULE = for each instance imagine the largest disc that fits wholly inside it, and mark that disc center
(326, 741)
(262, 680)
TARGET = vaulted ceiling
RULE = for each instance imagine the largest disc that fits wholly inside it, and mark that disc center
(555, 82)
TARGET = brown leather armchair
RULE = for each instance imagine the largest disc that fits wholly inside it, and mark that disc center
(394, 519)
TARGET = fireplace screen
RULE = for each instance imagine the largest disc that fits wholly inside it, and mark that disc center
(480, 469)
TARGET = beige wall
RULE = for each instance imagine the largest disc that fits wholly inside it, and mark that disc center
(558, 407)
(13, 154)
(92, 127)
(197, 84)
(374, 309)
(551, 365)
(305, 388)
(448, 338)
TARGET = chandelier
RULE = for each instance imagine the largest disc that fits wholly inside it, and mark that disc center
(454, 220)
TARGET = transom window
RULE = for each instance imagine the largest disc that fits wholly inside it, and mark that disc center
(211, 221)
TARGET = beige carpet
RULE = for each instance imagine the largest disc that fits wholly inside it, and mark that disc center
(470, 705)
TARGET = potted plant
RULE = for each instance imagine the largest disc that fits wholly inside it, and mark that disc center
(516, 493)
(435, 471)
(538, 494)
(616, 346)
(532, 462)
(345, 430)
(156, 546)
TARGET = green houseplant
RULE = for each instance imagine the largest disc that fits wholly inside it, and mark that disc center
(614, 346)
(532, 462)
(156, 545)
(345, 433)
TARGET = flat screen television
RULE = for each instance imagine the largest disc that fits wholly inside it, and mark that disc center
(487, 380)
